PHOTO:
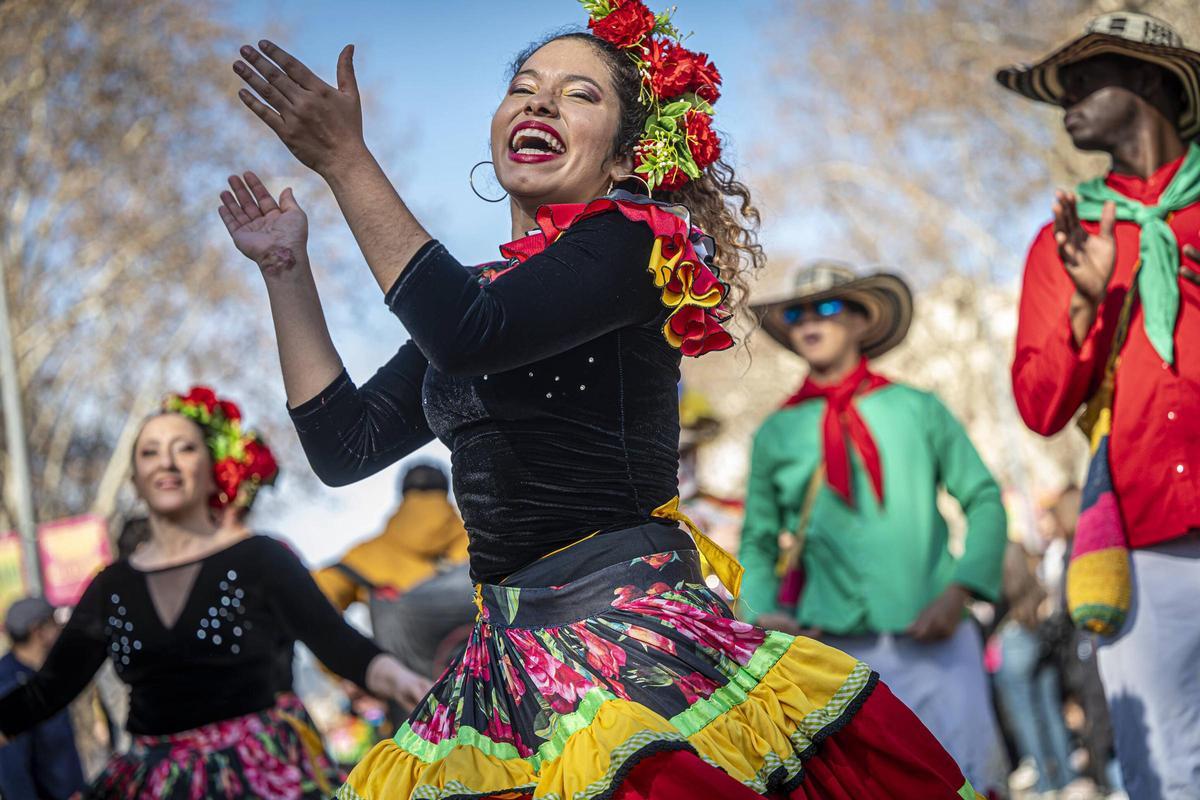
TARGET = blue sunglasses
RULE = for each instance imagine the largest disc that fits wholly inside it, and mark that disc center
(793, 315)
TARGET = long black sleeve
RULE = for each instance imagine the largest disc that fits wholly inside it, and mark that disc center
(552, 384)
(311, 618)
(351, 432)
(74, 659)
(591, 281)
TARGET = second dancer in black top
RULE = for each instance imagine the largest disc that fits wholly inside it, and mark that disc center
(194, 622)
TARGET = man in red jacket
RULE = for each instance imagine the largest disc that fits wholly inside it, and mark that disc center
(1130, 89)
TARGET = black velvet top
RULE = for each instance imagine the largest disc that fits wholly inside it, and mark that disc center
(219, 658)
(552, 385)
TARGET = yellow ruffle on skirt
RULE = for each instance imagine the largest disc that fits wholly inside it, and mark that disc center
(762, 722)
(563, 689)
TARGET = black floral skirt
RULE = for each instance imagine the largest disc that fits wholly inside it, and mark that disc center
(275, 754)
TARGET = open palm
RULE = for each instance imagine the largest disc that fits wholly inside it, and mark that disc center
(266, 232)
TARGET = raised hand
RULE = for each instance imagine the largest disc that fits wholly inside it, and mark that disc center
(1088, 258)
(272, 235)
(321, 125)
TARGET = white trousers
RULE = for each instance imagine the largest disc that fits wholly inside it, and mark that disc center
(1151, 674)
(945, 684)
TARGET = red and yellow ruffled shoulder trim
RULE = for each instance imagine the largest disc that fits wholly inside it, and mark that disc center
(680, 265)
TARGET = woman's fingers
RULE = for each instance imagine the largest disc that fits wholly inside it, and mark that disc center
(279, 101)
(264, 112)
(265, 201)
(295, 70)
(416, 687)
(273, 74)
(234, 208)
(247, 201)
(226, 215)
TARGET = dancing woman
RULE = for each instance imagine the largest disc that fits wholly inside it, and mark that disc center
(600, 665)
(194, 622)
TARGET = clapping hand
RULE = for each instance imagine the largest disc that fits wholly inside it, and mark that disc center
(1088, 258)
(320, 124)
(272, 235)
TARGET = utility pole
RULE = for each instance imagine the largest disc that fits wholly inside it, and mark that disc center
(18, 449)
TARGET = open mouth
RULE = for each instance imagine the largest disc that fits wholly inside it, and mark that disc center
(533, 142)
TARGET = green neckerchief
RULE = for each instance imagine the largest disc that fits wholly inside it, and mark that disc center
(1158, 279)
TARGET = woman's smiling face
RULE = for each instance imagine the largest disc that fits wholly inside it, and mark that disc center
(554, 132)
(172, 468)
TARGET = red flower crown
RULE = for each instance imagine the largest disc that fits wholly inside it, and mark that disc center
(242, 463)
(678, 87)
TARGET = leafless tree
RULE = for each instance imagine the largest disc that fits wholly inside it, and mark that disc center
(117, 119)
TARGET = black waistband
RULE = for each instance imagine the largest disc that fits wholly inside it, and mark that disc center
(600, 551)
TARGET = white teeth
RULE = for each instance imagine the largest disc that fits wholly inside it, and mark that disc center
(553, 142)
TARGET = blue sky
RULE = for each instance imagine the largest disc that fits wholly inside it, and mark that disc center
(431, 75)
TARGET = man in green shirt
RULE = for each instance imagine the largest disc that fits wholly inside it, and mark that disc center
(851, 466)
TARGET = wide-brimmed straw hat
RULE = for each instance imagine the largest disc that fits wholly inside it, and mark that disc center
(1123, 33)
(884, 297)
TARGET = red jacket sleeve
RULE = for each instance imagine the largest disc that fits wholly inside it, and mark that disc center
(1052, 376)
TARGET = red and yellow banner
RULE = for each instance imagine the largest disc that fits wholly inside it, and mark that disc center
(73, 550)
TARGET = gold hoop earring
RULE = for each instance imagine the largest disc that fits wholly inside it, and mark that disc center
(639, 179)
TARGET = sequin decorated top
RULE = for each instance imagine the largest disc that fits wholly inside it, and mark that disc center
(552, 377)
(216, 660)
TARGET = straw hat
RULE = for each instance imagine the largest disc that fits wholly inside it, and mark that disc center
(885, 297)
(1123, 33)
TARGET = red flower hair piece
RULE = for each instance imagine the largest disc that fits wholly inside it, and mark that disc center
(625, 25)
(679, 87)
(242, 462)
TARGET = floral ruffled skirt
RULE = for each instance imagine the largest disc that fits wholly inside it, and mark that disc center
(275, 754)
(565, 688)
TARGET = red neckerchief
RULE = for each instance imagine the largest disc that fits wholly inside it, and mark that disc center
(841, 420)
(691, 287)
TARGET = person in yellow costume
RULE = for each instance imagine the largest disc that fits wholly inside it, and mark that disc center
(424, 534)
(413, 575)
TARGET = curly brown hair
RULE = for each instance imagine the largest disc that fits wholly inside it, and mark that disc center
(720, 204)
